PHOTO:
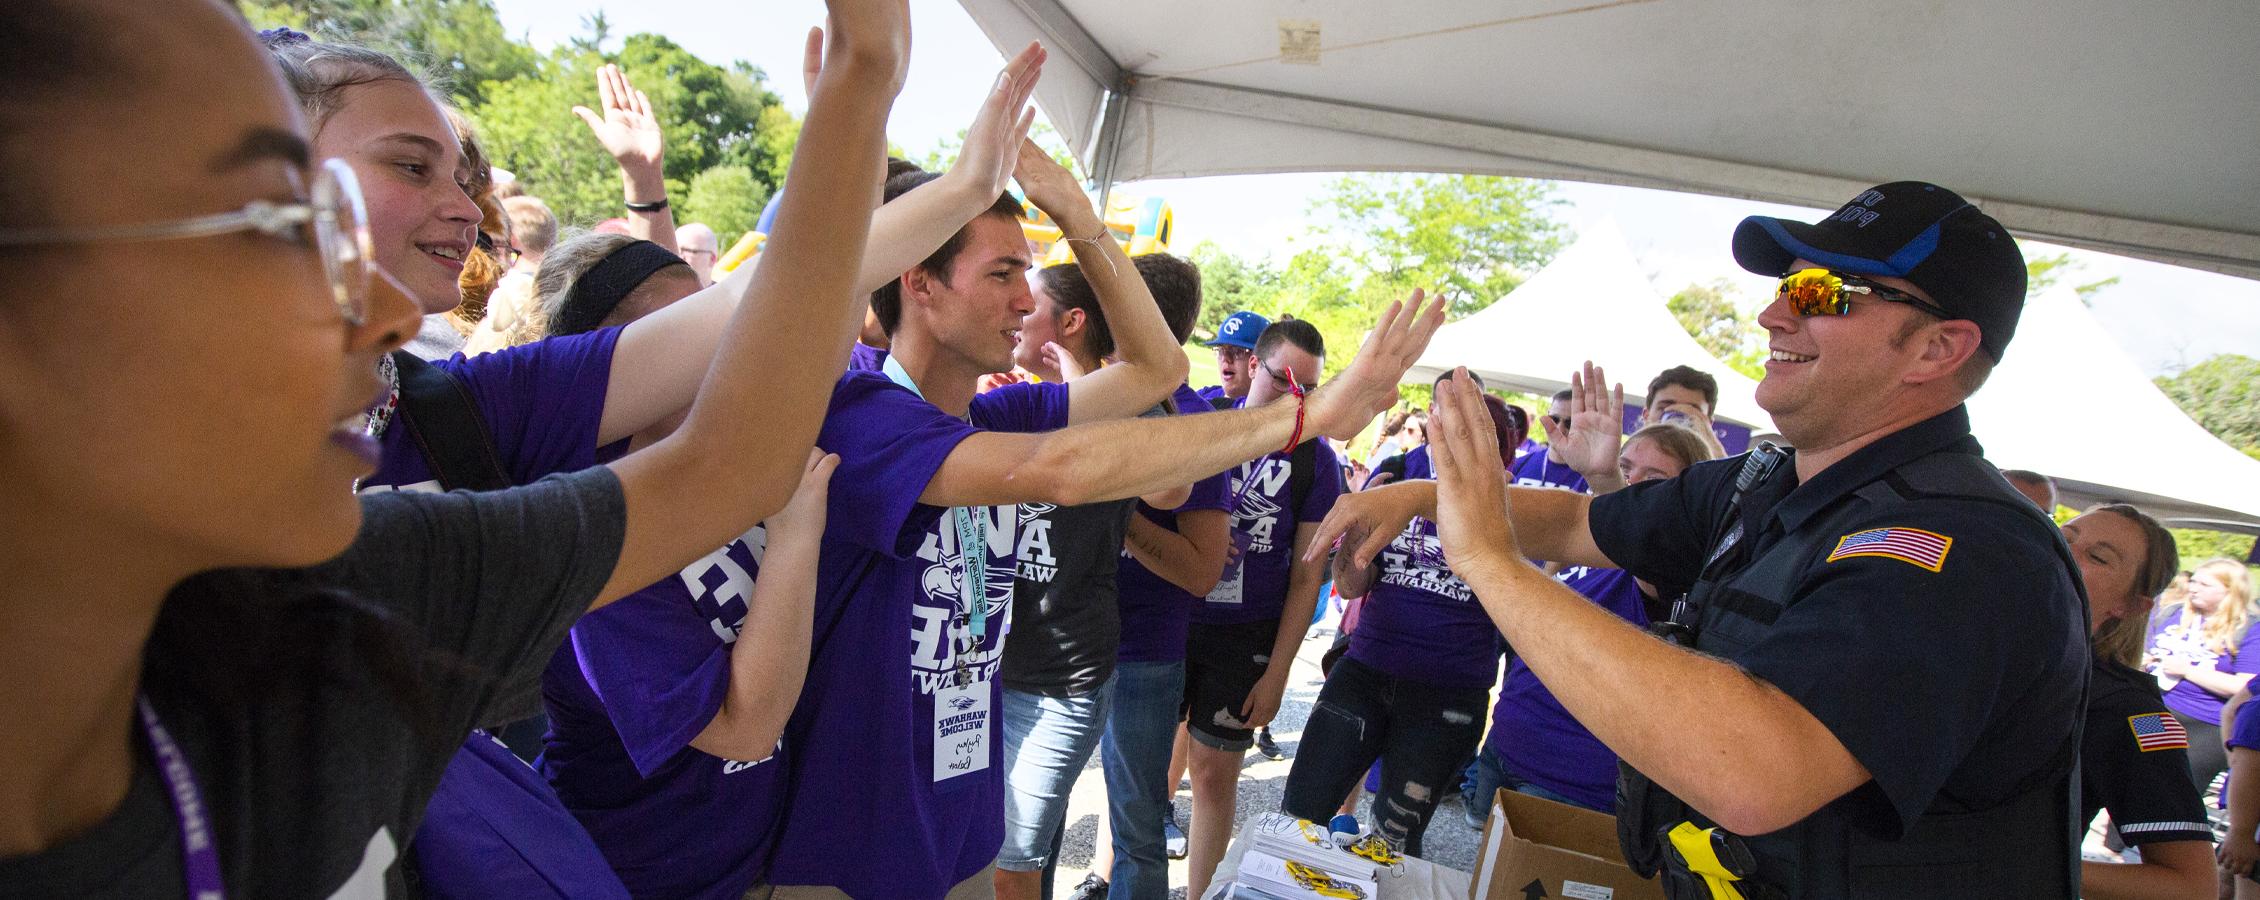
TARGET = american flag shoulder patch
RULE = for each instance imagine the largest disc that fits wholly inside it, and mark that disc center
(1915, 546)
(2158, 731)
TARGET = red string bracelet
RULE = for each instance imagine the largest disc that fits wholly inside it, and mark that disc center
(1295, 386)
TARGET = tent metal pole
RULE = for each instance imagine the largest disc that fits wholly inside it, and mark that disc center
(1107, 144)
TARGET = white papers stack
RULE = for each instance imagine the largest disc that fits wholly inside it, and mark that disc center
(1286, 837)
(1271, 876)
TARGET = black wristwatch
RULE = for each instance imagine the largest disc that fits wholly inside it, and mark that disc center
(653, 206)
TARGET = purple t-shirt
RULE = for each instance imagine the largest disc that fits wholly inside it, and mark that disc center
(1536, 470)
(639, 679)
(2170, 638)
(1421, 622)
(1155, 612)
(1255, 586)
(882, 717)
(541, 402)
(1529, 446)
(1530, 731)
(493, 847)
(865, 358)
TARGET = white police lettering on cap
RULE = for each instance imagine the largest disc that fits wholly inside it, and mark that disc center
(1861, 210)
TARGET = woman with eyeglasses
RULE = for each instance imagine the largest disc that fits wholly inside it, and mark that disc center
(192, 709)
(2134, 762)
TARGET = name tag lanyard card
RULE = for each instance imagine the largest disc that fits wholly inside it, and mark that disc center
(972, 552)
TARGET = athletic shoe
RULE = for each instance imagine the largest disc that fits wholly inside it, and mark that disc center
(1266, 746)
(1172, 837)
(1092, 888)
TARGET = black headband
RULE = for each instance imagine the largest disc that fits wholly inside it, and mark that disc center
(599, 290)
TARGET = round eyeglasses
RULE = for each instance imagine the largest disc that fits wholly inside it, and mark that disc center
(334, 220)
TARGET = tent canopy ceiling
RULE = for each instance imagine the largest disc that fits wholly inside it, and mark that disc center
(2119, 127)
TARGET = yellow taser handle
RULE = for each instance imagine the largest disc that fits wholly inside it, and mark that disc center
(1694, 845)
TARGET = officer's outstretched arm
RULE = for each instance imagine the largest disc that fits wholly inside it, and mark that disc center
(1550, 523)
(1749, 757)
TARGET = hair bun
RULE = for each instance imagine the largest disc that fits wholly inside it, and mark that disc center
(276, 37)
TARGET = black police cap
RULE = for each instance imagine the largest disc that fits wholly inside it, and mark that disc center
(1914, 230)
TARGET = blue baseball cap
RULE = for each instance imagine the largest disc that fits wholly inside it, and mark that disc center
(1921, 232)
(1240, 330)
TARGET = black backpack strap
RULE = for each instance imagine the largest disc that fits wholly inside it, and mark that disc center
(445, 423)
(1220, 402)
(1302, 472)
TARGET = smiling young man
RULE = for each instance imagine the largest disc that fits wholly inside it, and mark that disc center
(896, 780)
(1889, 644)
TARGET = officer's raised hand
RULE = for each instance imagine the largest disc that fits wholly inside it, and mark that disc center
(1471, 482)
(1596, 428)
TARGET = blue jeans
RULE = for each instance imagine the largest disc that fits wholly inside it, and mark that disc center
(1491, 775)
(1047, 741)
(1140, 729)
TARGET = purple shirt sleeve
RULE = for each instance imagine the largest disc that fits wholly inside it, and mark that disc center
(890, 444)
(1025, 408)
(659, 659)
(542, 401)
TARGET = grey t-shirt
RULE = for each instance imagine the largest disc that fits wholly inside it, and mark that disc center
(318, 707)
(1066, 626)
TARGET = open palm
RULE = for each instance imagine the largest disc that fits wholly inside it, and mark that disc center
(627, 129)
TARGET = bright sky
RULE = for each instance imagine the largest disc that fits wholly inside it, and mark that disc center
(2165, 317)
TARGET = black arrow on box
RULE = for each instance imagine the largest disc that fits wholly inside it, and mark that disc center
(1534, 890)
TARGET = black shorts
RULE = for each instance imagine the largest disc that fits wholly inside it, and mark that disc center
(1222, 665)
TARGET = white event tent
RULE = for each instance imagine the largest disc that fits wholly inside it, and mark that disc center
(1591, 302)
(2067, 403)
(2114, 126)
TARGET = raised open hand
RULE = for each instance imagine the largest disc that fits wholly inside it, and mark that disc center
(627, 128)
(1344, 406)
(1055, 191)
(1471, 481)
(1366, 521)
(1596, 424)
(993, 142)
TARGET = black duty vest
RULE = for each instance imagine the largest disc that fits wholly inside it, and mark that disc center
(2024, 847)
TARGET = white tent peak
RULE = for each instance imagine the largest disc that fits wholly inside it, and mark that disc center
(1592, 302)
(2067, 402)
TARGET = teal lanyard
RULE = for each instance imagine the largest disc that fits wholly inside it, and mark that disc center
(972, 534)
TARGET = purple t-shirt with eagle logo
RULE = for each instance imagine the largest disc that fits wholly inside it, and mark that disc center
(894, 752)
(638, 680)
(1254, 587)
(1421, 622)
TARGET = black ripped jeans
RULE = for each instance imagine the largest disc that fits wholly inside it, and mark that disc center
(1422, 733)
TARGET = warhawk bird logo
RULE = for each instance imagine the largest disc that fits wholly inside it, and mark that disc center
(1256, 506)
(942, 579)
(962, 704)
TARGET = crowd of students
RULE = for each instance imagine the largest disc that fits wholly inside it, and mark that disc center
(822, 576)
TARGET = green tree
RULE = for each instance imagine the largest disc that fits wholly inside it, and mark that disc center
(728, 198)
(1711, 316)
(460, 44)
(2042, 273)
(2222, 394)
(1468, 237)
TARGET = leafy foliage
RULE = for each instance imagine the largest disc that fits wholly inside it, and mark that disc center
(728, 198)
(1711, 316)
(2222, 394)
(2042, 273)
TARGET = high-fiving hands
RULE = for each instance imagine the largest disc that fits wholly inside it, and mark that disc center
(992, 149)
(1342, 407)
(1471, 482)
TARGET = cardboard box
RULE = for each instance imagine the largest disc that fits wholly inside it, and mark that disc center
(1535, 849)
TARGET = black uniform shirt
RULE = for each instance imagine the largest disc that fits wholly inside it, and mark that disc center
(1942, 639)
(2135, 765)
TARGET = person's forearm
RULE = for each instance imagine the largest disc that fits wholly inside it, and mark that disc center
(1605, 481)
(741, 452)
(2244, 793)
(1550, 523)
(1169, 499)
(909, 229)
(1142, 339)
(1177, 557)
(1748, 762)
(769, 662)
(1303, 582)
(2221, 684)
(1113, 459)
(640, 183)
(2148, 880)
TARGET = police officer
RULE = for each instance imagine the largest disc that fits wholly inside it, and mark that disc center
(1890, 658)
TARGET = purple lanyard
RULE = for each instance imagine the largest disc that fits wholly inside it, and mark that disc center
(200, 857)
